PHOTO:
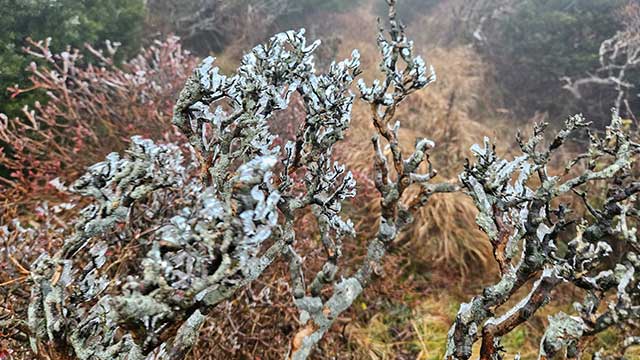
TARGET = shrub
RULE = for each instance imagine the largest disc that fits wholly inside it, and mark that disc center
(224, 230)
(618, 62)
(91, 110)
(539, 241)
(67, 22)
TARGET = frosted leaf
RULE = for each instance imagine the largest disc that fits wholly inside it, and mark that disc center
(58, 185)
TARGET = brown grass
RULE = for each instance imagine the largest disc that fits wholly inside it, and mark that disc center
(444, 232)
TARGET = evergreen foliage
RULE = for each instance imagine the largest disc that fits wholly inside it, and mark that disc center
(67, 22)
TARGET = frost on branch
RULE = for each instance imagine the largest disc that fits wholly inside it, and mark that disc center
(403, 73)
(520, 211)
(165, 237)
(101, 104)
(59, 285)
(189, 231)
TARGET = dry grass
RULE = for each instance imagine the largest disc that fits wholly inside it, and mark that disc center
(444, 233)
(420, 332)
(406, 333)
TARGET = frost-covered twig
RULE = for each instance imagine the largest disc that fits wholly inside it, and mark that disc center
(518, 214)
(90, 110)
(404, 73)
(205, 239)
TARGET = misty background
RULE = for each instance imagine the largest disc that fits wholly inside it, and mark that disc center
(528, 47)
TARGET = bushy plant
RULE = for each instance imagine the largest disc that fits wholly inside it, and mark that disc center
(90, 111)
(540, 240)
(618, 57)
(67, 22)
(238, 199)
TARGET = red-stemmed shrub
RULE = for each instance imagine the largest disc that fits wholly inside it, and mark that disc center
(92, 108)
